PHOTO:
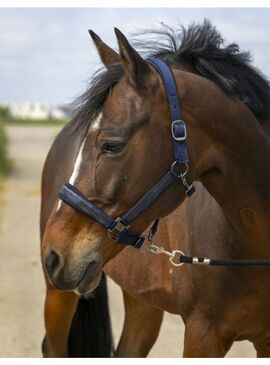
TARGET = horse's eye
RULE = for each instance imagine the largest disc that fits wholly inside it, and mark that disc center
(111, 147)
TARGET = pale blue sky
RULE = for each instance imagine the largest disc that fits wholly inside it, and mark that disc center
(47, 55)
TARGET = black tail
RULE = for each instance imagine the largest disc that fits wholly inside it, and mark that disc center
(90, 334)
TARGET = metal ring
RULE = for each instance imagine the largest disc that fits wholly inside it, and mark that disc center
(174, 252)
(181, 174)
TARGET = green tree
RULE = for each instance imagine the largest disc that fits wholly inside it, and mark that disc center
(4, 112)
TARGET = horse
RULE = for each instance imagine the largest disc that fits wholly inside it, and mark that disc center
(118, 144)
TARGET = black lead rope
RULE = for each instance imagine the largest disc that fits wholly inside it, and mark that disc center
(222, 262)
(178, 258)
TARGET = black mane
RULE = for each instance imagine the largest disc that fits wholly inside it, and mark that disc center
(201, 47)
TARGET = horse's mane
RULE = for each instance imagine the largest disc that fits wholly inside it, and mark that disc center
(201, 47)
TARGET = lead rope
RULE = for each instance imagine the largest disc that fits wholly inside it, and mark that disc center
(178, 258)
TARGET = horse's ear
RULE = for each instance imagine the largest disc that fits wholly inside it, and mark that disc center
(107, 55)
(137, 68)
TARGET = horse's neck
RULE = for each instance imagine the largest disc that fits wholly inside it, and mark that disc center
(229, 151)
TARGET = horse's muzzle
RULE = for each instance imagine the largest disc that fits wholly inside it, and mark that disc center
(76, 276)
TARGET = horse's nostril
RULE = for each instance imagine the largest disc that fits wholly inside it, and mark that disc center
(52, 262)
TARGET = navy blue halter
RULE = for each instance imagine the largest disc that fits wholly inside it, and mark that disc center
(179, 132)
(118, 229)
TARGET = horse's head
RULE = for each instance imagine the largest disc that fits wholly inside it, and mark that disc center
(125, 150)
(127, 147)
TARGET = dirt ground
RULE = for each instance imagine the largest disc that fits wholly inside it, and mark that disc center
(21, 281)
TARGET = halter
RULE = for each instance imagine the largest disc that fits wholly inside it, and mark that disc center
(118, 229)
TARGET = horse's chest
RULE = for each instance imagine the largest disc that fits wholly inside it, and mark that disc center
(147, 277)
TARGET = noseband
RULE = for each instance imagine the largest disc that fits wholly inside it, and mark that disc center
(118, 229)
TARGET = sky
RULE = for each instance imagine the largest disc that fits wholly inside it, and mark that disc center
(46, 55)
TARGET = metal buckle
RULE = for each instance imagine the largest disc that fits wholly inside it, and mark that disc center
(179, 122)
(118, 228)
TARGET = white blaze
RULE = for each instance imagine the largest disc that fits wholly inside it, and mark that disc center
(77, 164)
(95, 125)
(75, 172)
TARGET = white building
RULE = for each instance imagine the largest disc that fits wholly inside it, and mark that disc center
(57, 113)
(36, 111)
(29, 110)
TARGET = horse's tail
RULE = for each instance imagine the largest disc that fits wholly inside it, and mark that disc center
(90, 334)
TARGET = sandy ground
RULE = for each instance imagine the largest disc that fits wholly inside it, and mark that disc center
(21, 280)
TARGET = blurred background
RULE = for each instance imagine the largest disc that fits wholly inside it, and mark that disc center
(46, 60)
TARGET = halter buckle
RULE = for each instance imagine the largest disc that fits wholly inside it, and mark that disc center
(117, 229)
(181, 123)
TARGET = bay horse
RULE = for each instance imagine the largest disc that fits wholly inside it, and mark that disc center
(114, 149)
